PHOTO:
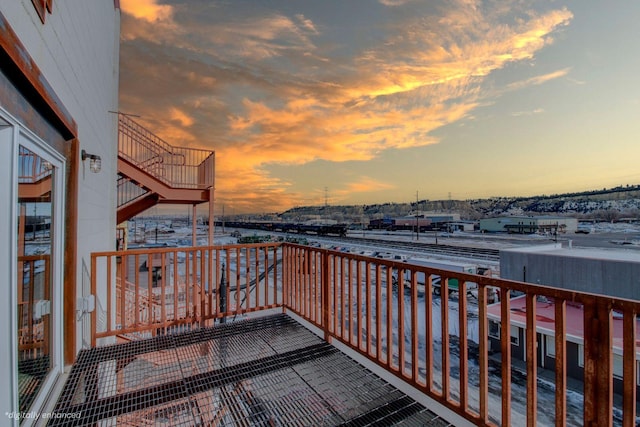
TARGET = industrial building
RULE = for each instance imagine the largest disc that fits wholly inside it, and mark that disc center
(613, 273)
(440, 217)
(462, 226)
(529, 224)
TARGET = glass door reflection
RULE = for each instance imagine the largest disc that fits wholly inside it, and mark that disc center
(35, 250)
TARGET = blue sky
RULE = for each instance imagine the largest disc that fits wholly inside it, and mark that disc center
(375, 100)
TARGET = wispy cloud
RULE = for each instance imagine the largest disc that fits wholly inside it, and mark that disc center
(576, 81)
(538, 80)
(274, 88)
(393, 3)
(528, 113)
(365, 184)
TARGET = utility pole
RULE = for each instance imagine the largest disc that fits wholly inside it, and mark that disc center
(417, 223)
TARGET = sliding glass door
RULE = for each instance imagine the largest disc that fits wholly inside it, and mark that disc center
(37, 213)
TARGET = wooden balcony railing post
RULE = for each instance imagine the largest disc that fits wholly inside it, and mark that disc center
(94, 287)
(531, 346)
(561, 362)
(505, 349)
(598, 387)
(483, 356)
(629, 370)
(324, 281)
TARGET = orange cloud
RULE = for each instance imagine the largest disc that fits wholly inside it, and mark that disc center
(148, 10)
(181, 117)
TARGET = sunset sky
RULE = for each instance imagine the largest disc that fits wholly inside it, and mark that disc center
(366, 101)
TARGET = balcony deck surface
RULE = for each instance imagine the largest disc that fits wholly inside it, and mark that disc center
(266, 371)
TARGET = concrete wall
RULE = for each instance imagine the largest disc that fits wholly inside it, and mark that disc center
(593, 271)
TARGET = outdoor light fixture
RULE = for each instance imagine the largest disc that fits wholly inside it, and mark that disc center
(47, 166)
(95, 162)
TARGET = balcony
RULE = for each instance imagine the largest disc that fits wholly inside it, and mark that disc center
(168, 345)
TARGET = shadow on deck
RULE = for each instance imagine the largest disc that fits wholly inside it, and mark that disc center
(264, 371)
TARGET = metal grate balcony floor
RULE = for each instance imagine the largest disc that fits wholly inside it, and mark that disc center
(267, 371)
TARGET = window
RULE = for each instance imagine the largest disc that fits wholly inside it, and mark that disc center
(581, 355)
(494, 330)
(617, 366)
(515, 335)
(550, 346)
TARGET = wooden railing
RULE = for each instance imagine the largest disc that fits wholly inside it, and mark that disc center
(380, 309)
(144, 292)
(33, 277)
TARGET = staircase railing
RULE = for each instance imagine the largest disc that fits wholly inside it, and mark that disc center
(32, 168)
(178, 167)
(128, 191)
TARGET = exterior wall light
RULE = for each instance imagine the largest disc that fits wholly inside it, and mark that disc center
(95, 162)
(47, 166)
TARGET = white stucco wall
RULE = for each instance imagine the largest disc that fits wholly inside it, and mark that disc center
(77, 51)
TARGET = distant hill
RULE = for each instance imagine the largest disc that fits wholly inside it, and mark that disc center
(606, 204)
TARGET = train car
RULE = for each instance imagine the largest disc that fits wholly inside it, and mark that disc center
(284, 227)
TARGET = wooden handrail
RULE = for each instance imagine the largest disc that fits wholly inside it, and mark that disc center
(366, 304)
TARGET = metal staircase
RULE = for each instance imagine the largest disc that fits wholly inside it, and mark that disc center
(151, 171)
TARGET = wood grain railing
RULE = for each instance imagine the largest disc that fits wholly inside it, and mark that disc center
(145, 292)
(438, 344)
(34, 285)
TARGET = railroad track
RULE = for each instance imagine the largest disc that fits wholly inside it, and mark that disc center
(392, 245)
(458, 251)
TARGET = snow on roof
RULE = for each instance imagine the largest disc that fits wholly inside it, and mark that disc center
(536, 217)
(585, 253)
